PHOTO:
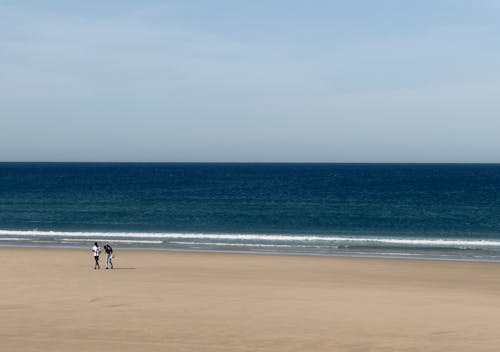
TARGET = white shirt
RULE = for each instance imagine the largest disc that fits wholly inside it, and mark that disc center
(96, 250)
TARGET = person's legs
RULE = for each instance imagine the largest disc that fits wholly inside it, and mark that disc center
(97, 262)
(108, 260)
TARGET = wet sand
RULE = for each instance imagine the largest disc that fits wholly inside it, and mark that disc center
(52, 300)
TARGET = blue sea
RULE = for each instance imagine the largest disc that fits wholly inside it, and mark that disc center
(428, 211)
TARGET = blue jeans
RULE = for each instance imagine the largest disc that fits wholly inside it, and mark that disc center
(109, 263)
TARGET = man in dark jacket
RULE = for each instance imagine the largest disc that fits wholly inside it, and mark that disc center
(109, 256)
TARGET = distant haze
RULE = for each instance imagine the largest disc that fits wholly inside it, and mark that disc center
(319, 81)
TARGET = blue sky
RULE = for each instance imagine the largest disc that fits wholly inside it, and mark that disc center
(350, 81)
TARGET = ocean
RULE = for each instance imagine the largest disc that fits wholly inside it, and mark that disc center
(428, 211)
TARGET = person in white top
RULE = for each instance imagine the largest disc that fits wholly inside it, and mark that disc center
(96, 250)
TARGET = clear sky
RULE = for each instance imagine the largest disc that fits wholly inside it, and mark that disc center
(332, 81)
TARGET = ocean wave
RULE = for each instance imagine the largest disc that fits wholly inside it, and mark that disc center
(245, 244)
(266, 238)
(130, 241)
(14, 239)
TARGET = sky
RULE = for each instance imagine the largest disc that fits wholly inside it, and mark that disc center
(250, 81)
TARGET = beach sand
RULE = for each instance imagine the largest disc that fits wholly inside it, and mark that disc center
(52, 300)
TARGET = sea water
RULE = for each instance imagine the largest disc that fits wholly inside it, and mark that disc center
(435, 211)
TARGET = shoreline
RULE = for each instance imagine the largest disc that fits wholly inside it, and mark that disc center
(399, 256)
(426, 247)
(52, 299)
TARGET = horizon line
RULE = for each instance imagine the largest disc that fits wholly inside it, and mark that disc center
(256, 162)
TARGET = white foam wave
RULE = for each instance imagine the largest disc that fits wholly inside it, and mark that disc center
(113, 241)
(244, 244)
(447, 243)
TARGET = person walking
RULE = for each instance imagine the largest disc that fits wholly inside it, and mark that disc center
(109, 256)
(96, 250)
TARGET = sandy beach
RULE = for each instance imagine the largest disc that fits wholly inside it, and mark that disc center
(52, 300)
